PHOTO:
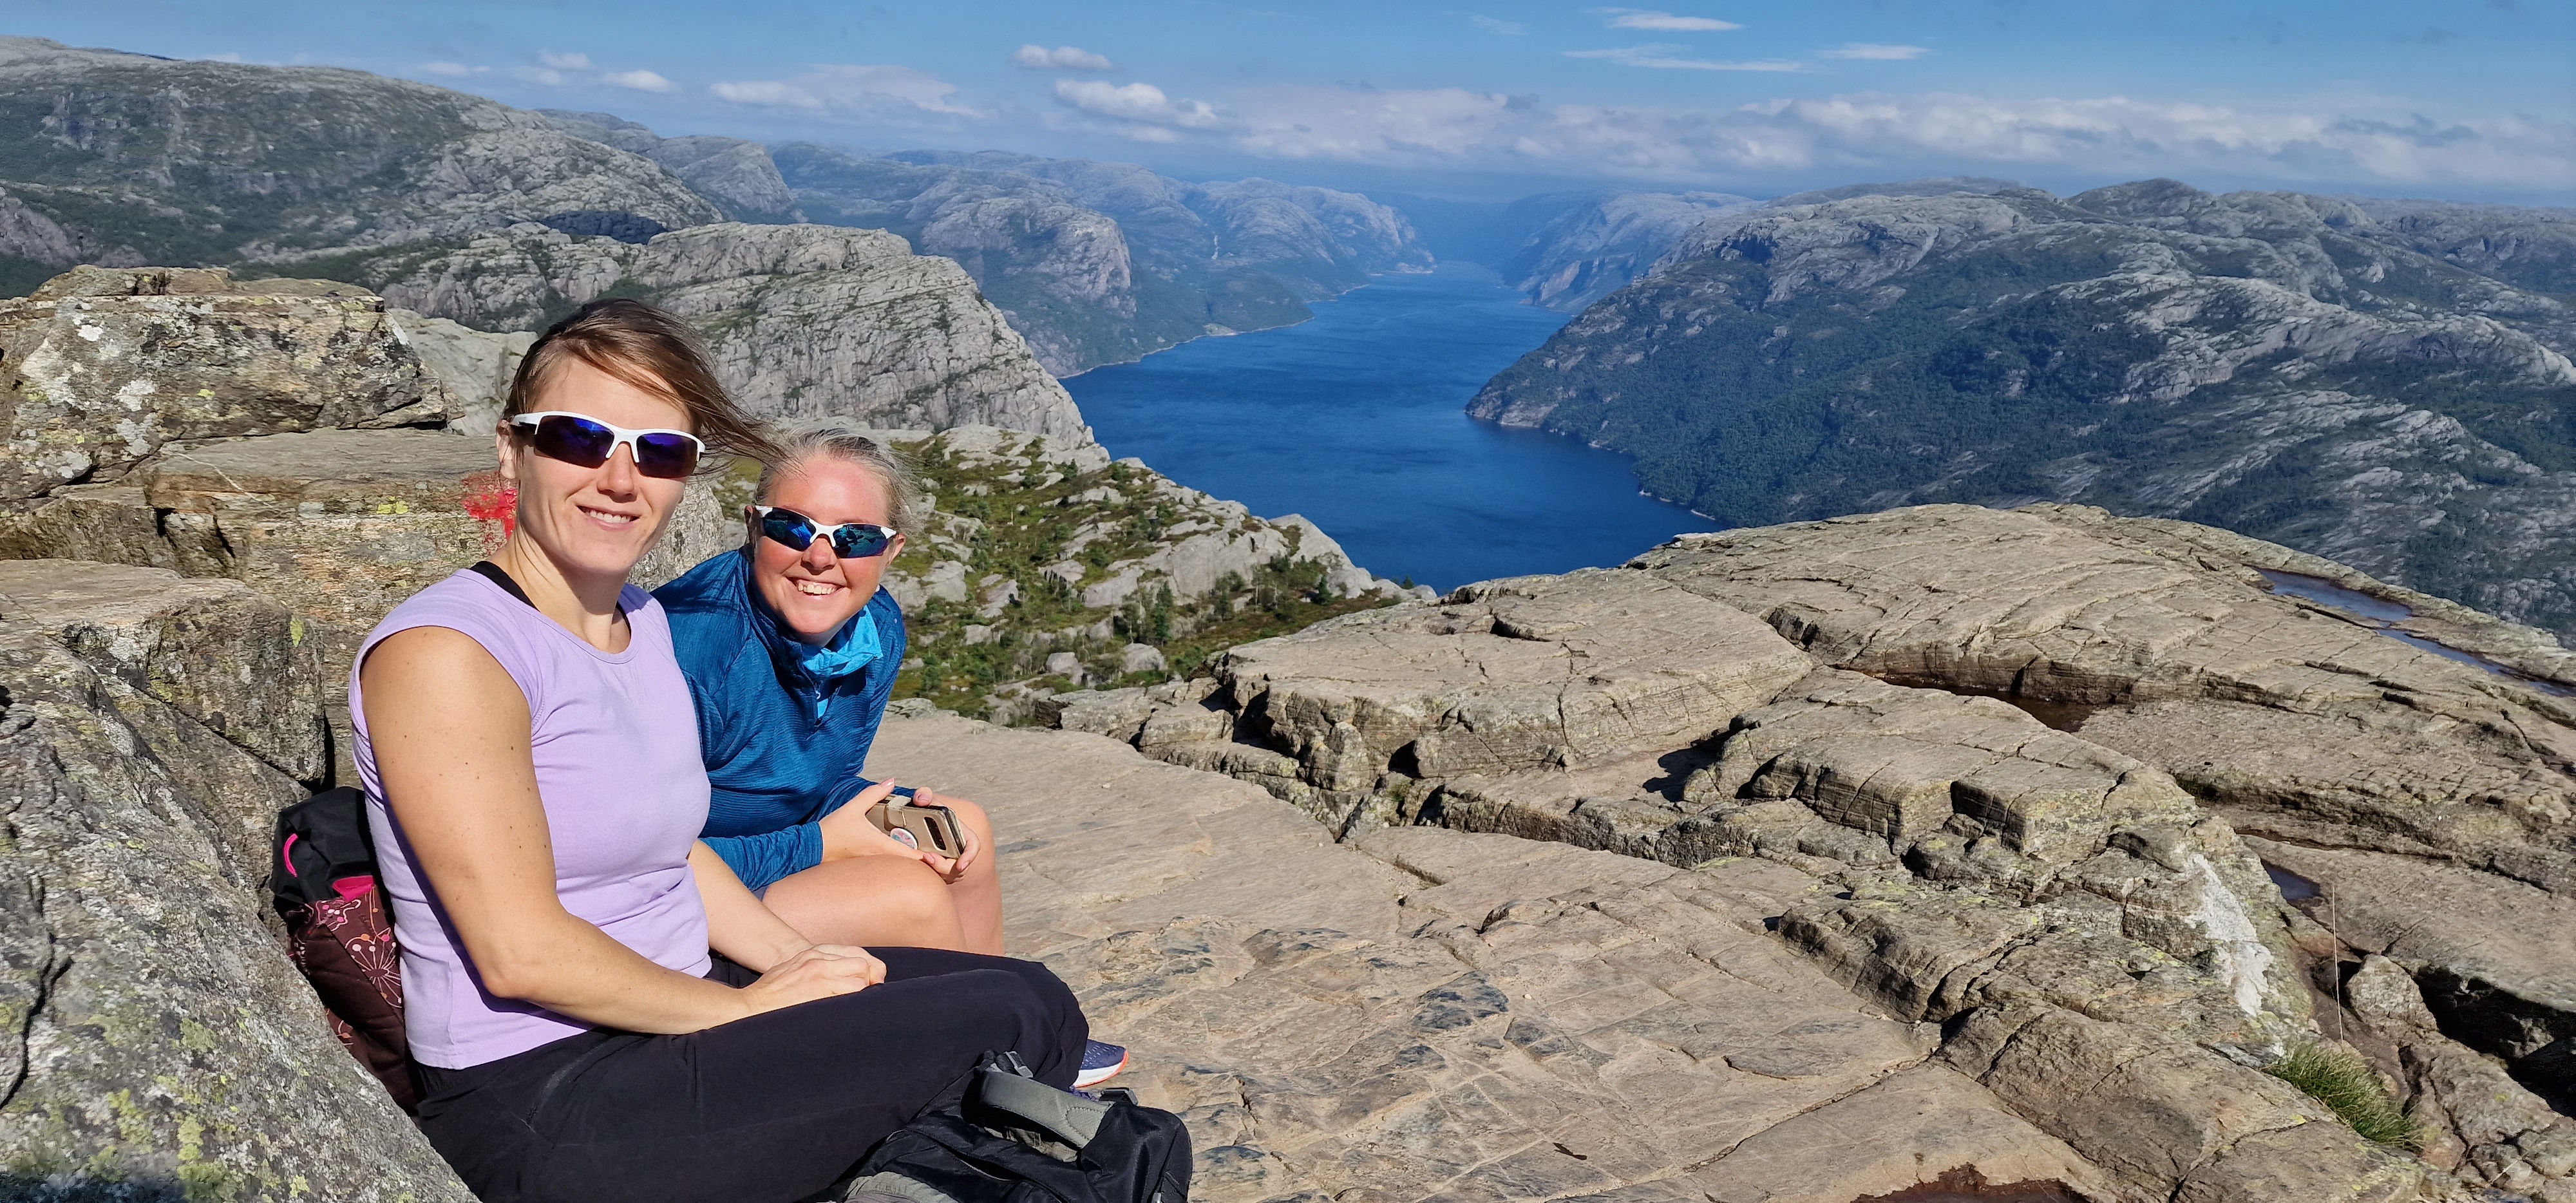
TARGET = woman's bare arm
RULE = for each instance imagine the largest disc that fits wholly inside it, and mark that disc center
(739, 924)
(449, 729)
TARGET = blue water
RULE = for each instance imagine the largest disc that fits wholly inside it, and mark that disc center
(1357, 420)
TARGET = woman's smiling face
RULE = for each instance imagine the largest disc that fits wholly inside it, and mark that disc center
(815, 591)
(594, 521)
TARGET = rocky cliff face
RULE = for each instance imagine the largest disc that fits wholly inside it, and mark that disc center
(2272, 363)
(126, 159)
(1104, 262)
(2039, 762)
(732, 173)
(801, 320)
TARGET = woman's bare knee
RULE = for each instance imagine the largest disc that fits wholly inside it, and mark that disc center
(869, 900)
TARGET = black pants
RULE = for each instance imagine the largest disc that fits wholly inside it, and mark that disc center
(762, 1110)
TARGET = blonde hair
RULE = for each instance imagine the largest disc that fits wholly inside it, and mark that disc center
(891, 468)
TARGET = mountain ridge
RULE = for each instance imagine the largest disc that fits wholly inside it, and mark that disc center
(2272, 363)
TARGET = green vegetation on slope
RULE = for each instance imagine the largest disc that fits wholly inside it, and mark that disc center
(1025, 517)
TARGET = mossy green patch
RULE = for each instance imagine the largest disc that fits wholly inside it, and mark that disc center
(2347, 1086)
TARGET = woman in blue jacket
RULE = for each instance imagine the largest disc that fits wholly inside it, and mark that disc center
(791, 650)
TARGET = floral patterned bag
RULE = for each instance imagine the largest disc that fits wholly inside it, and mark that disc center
(339, 932)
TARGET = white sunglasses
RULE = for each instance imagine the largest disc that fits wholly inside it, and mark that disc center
(587, 442)
(849, 540)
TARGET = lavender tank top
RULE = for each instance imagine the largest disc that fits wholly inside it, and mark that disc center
(615, 740)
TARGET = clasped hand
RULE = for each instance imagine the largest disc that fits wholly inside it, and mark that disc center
(819, 971)
(847, 832)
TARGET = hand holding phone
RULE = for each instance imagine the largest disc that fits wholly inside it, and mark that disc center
(932, 829)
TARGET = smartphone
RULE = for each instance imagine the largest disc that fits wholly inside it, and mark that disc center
(932, 828)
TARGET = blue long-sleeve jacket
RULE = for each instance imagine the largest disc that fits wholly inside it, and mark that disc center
(776, 768)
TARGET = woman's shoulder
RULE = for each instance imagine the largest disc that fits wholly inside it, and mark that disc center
(464, 601)
(463, 606)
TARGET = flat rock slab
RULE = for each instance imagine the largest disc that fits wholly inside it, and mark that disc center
(361, 471)
(2295, 717)
(213, 650)
(1963, 596)
(1500, 677)
(1430, 1013)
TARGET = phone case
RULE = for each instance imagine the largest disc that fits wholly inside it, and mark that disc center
(931, 828)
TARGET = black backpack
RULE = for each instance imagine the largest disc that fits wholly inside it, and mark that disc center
(340, 933)
(1000, 1136)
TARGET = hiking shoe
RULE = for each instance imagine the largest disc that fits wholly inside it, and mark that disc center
(1100, 1062)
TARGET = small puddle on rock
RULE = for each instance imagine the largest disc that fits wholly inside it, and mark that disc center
(2379, 614)
(2294, 888)
(1968, 1185)
(2063, 716)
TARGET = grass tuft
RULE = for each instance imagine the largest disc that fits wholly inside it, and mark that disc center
(2348, 1087)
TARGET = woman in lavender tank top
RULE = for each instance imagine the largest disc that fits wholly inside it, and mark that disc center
(600, 1010)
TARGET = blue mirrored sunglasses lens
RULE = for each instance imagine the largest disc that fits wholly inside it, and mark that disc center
(577, 441)
(665, 455)
(788, 527)
(859, 542)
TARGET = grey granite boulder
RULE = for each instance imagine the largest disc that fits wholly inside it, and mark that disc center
(154, 1040)
(106, 366)
(1503, 676)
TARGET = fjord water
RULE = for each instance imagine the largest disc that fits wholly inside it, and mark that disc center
(1356, 419)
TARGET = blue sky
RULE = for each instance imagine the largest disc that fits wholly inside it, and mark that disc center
(2474, 99)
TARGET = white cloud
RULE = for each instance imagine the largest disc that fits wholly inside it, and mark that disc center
(1497, 25)
(1660, 57)
(641, 81)
(1877, 136)
(872, 91)
(1876, 51)
(1142, 108)
(1646, 18)
(564, 62)
(1062, 58)
(447, 68)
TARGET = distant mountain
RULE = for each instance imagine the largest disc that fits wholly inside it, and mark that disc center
(1105, 262)
(1594, 248)
(734, 174)
(1565, 250)
(2387, 389)
(126, 159)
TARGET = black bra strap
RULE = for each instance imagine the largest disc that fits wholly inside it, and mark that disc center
(492, 572)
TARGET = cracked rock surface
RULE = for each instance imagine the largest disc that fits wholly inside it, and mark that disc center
(2017, 748)
(1424, 1013)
